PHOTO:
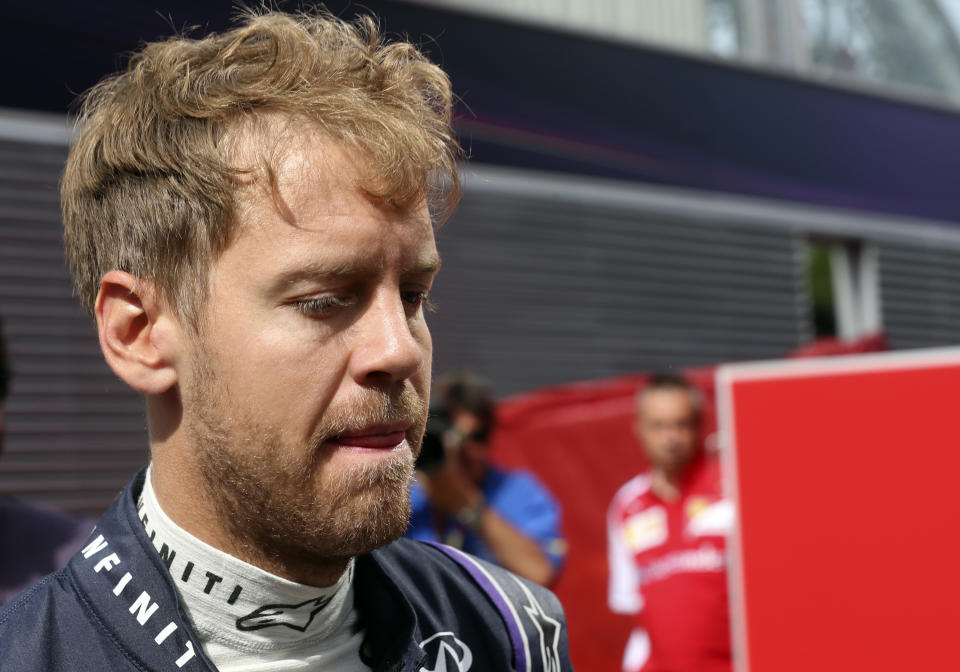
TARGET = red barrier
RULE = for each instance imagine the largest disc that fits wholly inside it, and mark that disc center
(578, 441)
(843, 471)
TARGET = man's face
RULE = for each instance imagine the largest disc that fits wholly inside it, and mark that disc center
(306, 399)
(668, 425)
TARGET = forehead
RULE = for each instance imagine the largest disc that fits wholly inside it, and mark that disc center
(298, 181)
(667, 400)
(290, 165)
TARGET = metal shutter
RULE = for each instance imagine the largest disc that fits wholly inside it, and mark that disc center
(545, 288)
(920, 291)
(74, 432)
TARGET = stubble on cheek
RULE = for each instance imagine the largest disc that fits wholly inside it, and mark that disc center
(281, 501)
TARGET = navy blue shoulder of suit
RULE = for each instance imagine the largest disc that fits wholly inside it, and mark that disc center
(424, 608)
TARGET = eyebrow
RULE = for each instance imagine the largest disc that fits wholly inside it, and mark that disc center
(425, 265)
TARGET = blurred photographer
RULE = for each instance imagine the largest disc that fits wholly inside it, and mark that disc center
(460, 499)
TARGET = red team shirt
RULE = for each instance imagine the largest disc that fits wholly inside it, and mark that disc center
(668, 566)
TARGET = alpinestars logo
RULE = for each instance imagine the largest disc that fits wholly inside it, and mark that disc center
(548, 628)
(446, 653)
(295, 616)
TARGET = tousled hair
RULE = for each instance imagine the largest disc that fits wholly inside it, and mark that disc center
(149, 187)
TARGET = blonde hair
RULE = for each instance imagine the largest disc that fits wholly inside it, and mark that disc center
(149, 188)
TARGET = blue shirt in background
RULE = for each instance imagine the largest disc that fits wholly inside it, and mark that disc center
(516, 495)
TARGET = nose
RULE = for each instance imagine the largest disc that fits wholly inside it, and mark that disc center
(389, 347)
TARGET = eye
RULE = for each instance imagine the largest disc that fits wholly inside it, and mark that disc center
(418, 299)
(322, 306)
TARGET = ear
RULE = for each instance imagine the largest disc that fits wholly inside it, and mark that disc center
(140, 339)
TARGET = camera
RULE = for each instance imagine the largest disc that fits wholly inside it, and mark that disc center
(432, 450)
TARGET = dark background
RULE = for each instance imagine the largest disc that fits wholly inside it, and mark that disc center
(554, 101)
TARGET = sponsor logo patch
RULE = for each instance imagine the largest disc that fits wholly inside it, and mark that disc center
(695, 506)
(710, 519)
(294, 616)
(446, 653)
(645, 529)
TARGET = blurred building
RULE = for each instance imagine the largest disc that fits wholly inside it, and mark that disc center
(652, 184)
(677, 23)
(894, 45)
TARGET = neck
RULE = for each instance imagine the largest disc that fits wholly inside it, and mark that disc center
(308, 571)
(238, 609)
(666, 484)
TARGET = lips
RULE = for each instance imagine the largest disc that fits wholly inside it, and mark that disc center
(373, 437)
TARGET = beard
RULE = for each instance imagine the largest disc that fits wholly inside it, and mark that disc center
(285, 503)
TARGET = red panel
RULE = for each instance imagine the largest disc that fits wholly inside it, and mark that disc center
(848, 515)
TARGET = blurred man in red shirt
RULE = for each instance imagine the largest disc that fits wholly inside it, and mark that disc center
(667, 541)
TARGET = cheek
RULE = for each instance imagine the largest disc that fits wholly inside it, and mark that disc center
(293, 345)
(421, 333)
(282, 366)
